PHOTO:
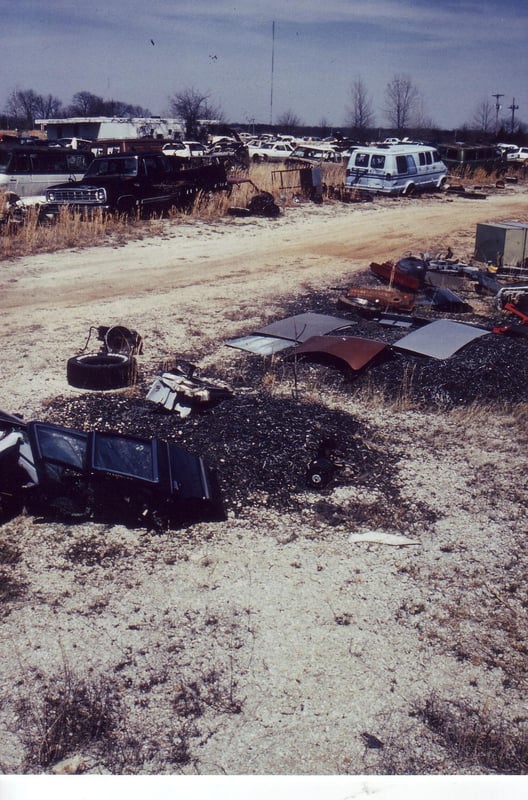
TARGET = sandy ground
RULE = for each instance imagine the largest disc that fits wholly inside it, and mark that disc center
(268, 643)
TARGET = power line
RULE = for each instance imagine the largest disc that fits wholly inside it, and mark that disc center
(497, 109)
(513, 108)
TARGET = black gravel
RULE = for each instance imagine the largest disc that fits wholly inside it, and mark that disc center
(260, 444)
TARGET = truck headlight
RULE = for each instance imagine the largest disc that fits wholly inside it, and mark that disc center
(50, 197)
(100, 195)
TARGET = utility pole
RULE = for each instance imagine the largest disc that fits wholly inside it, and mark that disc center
(272, 69)
(513, 108)
(497, 109)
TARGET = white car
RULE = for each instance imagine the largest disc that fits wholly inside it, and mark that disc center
(270, 151)
(184, 149)
(521, 154)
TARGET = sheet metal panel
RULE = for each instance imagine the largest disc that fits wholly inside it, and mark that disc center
(355, 351)
(440, 339)
(260, 345)
(301, 327)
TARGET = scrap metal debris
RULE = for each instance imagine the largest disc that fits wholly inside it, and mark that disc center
(354, 351)
(54, 470)
(440, 339)
(183, 391)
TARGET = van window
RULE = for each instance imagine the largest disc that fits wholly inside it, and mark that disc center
(362, 160)
(5, 158)
(377, 162)
(20, 163)
(405, 165)
(436, 156)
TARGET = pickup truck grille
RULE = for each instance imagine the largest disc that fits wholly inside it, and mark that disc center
(88, 195)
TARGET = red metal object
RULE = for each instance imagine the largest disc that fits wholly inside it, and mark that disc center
(388, 271)
(514, 310)
(387, 298)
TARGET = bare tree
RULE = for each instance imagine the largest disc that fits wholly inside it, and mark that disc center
(483, 118)
(86, 104)
(360, 115)
(25, 106)
(191, 106)
(401, 102)
(288, 121)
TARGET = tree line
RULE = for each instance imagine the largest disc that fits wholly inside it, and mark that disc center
(403, 110)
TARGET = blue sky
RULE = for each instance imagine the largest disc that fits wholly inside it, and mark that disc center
(458, 53)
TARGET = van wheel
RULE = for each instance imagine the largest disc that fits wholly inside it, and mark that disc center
(409, 190)
(101, 371)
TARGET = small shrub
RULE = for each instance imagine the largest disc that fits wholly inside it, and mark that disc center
(473, 737)
(71, 712)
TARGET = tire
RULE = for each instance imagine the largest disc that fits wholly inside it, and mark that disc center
(101, 371)
(409, 190)
(320, 473)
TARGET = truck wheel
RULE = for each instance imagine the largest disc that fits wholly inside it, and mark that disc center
(101, 371)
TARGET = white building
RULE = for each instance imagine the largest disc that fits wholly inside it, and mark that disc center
(111, 128)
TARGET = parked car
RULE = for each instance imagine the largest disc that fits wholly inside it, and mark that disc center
(304, 154)
(520, 154)
(28, 171)
(184, 149)
(270, 151)
(395, 169)
(468, 157)
(136, 183)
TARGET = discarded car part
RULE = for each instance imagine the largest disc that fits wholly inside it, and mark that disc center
(514, 295)
(322, 469)
(263, 205)
(396, 276)
(101, 371)
(440, 339)
(486, 283)
(443, 299)
(182, 391)
(261, 345)
(106, 475)
(118, 339)
(301, 327)
(400, 320)
(388, 298)
(514, 309)
(354, 351)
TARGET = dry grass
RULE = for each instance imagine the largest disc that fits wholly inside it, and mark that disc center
(475, 738)
(72, 229)
(71, 713)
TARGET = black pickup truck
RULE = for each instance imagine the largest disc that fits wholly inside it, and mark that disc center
(142, 183)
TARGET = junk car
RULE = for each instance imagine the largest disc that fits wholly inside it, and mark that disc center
(105, 476)
(395, 169)
(136, 182)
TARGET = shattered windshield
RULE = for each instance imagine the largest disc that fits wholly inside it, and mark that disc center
(62, 445)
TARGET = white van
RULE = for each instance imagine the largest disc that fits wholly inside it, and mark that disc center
(395, 169)
(28, 171)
